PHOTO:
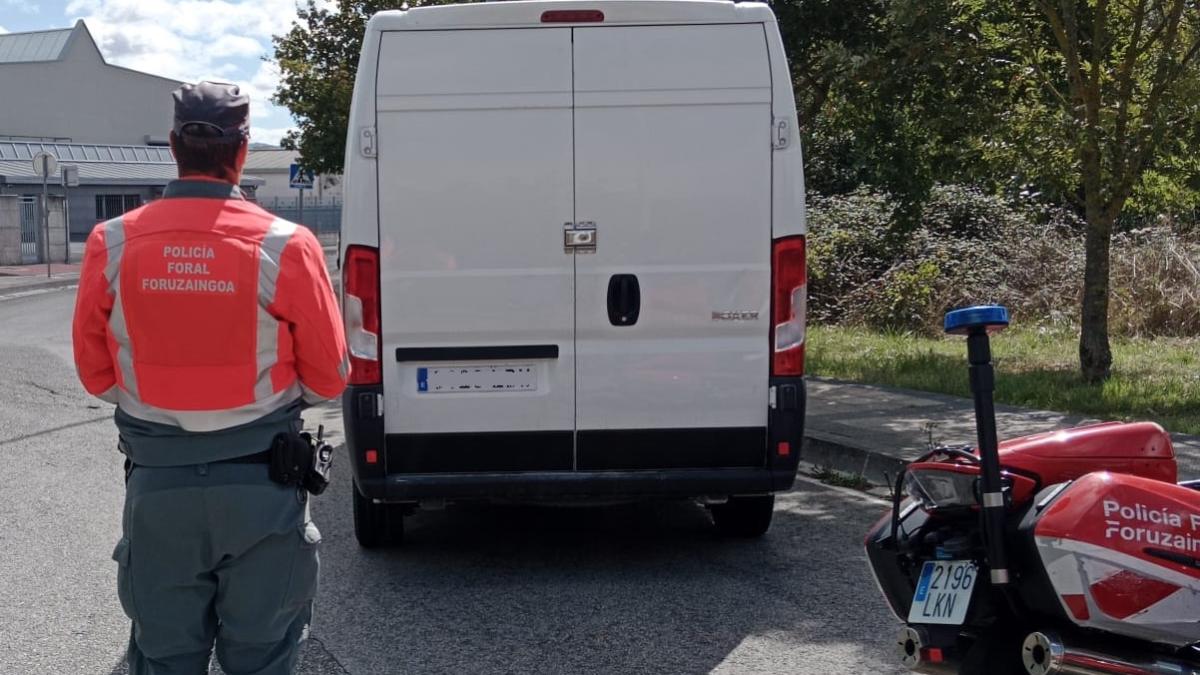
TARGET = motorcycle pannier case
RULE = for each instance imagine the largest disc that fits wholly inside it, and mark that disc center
(1122, 554)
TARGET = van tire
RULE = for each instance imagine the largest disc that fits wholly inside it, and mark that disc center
(377, 525)
(744, 517)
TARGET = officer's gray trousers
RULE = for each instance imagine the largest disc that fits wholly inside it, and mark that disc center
(215, 555)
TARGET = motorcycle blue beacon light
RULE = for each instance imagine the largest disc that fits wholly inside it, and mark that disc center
(992, 318)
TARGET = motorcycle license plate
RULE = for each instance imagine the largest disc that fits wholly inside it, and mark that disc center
(943, 592)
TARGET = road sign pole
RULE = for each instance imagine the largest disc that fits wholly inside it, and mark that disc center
(45, 165)
(46, 221)
(70, 179)
(66, 228)
(300, 178)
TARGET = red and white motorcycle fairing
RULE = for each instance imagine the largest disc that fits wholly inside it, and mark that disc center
(1123, 555)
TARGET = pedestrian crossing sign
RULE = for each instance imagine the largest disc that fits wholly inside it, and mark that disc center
(300, 178)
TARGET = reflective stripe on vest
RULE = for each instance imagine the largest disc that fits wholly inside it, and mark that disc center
(344, 367)
(208, 420)
(270, 255)
(114, 241)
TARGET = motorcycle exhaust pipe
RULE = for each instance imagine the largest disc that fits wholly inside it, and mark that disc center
(916, 653)
(1047, 654)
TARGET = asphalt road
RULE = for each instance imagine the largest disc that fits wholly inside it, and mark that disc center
(501, 589)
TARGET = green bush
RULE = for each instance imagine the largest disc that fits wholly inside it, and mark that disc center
(964, 212)
(969, 247)
(855, 245)
(866, 270)
(1156, 283)
(905, 296)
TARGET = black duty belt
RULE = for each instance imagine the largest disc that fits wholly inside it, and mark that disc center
(263, 457)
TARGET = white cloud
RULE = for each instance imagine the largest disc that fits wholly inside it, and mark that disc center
(271, 135)
(21, 6)
(209, 19)
(224, 73)
(191, 40)
(3, 29)
(261, 87)
(234, 46)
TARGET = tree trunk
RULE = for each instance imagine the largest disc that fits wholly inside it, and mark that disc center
(1095, 356)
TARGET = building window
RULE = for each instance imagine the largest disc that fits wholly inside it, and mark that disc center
(111, 206)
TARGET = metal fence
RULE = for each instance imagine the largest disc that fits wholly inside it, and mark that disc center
(322, 216)
(31, 240)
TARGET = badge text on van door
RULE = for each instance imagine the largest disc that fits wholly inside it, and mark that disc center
(735, 316)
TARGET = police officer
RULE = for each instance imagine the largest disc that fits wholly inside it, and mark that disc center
(211, 324)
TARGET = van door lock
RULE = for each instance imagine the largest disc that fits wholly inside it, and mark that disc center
(579, 237)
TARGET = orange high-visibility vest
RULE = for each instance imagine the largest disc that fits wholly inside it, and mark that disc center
(203, 311)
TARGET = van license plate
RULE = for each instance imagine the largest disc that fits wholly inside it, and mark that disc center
(943, 592)
(477, 379)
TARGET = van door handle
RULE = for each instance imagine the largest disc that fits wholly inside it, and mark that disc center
(579, 237)
(624, 300)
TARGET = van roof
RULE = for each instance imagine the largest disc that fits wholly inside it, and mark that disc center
(529, 13)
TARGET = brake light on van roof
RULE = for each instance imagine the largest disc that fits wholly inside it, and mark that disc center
(789, 300)
(360, 282)
(573, 16)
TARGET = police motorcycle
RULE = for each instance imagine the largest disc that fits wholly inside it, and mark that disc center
(1067, 552)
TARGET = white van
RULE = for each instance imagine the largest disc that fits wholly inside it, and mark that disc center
(573, 246)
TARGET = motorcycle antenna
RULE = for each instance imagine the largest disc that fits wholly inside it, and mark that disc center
(979, 324)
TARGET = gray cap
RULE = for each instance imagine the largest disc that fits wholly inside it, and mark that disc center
(220, 108)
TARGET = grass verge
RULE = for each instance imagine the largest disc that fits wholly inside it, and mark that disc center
(831, 477)
(1156, 380)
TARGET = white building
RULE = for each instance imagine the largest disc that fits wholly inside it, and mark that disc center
(56, 86)
(59, 95)
(322, 205)
(273, 167)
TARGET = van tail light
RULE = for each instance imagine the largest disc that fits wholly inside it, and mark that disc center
(789, 301)
(573, 16)
(360, 284)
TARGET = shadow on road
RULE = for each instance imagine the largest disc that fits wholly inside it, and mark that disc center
(624, 589)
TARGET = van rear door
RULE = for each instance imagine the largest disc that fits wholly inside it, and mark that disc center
(673, 166)
(475, 166)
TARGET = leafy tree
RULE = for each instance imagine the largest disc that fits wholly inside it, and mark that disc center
(1110, 101)
(896, 95)
(1090, 103)
(822, 38)
(318, 59)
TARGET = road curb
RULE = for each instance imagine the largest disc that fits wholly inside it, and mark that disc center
(25, 289)
(877, 467)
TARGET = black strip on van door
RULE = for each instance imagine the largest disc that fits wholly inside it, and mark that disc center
(505, 353)
(638, 449)
(480, 452)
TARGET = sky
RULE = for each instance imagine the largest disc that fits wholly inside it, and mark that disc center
(189, 40)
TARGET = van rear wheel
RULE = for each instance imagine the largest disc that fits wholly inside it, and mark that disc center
(744, 517)
(377, 525)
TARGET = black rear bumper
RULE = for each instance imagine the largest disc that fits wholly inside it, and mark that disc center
(666, 463)
(577, 484)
